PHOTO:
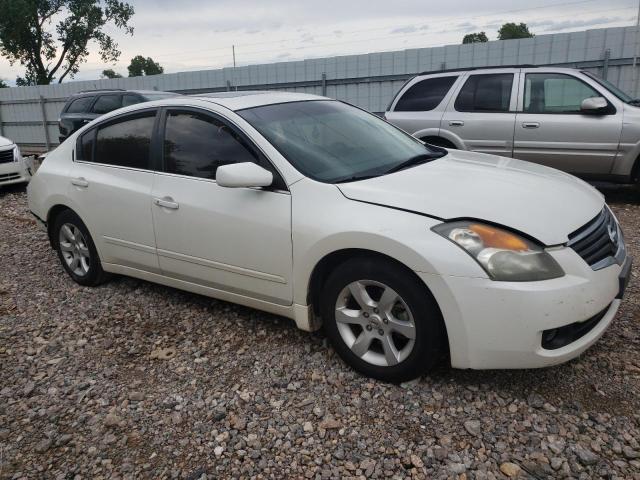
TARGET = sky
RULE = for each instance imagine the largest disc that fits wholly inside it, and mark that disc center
(187, 35)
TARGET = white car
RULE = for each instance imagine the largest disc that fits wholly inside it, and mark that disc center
(13, 168)
(316, 210)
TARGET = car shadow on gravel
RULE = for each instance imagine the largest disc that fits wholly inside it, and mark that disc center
(13, 189)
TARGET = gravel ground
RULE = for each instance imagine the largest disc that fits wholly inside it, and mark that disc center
(135, 380)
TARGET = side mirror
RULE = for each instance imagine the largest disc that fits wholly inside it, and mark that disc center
(246, 174)
(594, 105)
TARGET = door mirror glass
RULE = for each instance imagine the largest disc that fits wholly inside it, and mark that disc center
(594, 104)
(245, 174)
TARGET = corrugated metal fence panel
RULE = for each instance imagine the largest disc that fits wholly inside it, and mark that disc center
(351, 78)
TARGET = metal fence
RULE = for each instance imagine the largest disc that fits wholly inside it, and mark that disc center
(29, 115)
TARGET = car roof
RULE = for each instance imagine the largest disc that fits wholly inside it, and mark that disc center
(117, 90)
(541, 68)
(254, 98)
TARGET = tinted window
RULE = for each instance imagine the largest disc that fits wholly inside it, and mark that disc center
(197, 144)
(86, 146)
(130, 100)
(485, 93)
(126, 143)
(107, 103)
(425, 95)
(555, 93)
(79, 105)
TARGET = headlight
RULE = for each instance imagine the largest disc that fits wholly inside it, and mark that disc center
(16, 154)
(505, 256)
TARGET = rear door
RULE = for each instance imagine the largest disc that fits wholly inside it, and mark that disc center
(482, 113)
(110, 185)
(552, 130)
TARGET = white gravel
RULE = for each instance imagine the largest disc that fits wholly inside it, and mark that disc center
(135, 380)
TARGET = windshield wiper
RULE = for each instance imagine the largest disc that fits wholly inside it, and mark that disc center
(635, 102)
(414, 161)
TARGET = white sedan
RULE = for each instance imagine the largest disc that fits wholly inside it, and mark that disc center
(316, 210)
(13, 168)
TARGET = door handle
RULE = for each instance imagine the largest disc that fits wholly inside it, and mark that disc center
(166, 202)
(530, 125)
(456, 123)
(80, 182)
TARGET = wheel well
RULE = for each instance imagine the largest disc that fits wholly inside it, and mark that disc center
(439, 141)
(51, 220)
(329, 263)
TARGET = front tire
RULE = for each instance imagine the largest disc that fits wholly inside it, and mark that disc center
(76, 250)
(381, 320)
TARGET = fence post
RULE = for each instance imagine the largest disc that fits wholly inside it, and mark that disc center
(228, 86)
(42, 101)
(324, 84)
(0, 119)
(605, 63)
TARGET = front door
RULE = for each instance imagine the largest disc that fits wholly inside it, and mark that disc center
(233, 239)
(552, 130)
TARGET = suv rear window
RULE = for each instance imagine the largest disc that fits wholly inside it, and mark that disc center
(425, 95)
(107, 103)
(79, 105)
(485, 93)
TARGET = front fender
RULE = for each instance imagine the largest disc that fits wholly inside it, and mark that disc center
(324, 222)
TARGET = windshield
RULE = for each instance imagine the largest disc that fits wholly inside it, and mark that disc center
(611, 87)
(332, 142)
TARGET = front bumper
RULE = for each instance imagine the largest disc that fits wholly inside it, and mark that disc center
(501, 324)
(14, 172)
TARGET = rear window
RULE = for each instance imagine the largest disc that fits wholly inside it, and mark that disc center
(107, 103)
(485, 93)
(79, 105)
(126, 142)
(425, 95)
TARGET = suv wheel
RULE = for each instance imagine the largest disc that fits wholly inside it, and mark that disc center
(76, 250)
(381, 321)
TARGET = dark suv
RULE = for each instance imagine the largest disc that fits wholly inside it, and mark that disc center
(85, 106)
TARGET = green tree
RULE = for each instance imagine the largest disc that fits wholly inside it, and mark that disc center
(479, 37)
(110, 73)
(140, 66)
(509, 31)
(3, 84)
(51, 37)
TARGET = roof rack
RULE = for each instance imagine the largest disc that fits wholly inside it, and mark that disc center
(466, 69)
(103, 90)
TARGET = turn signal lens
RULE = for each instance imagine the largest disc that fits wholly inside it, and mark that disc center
(495, 238)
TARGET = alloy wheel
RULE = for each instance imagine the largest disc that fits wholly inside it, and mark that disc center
(375, 323)
(74, 249)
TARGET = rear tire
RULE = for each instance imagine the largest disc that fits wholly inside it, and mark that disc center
(381, 320)
(76, 250)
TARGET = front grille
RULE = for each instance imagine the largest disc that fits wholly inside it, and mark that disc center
(6, 156)
(598, 240)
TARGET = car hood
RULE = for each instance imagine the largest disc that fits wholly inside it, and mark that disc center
(5, 142)
(541, 202)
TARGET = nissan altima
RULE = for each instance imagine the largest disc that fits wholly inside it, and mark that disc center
(313, 209)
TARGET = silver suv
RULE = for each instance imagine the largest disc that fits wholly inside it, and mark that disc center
(560, 117)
